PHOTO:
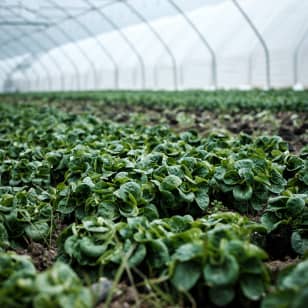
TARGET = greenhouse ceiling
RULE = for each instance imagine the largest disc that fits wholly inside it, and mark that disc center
(36, 21)
(90, 44)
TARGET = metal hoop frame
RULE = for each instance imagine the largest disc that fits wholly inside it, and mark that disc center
(202, 38)
(125, 38)
(35, 46)
(261, 40)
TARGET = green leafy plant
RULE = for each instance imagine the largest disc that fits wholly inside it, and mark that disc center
(22, 286)
(291, 288)
(289, 210)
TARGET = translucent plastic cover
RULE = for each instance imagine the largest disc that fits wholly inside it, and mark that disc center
(152, 44)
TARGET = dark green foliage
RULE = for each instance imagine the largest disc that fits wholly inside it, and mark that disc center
(164, 202)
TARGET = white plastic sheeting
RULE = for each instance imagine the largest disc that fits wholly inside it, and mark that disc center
(187, 62)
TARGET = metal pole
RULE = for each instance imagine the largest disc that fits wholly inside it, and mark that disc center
(53, 41)
(158, 36)
(28, 80)
(125, 38)
(261, 40)
(71, 17)
(26, 77)
(203, 40)
(55, 24)
(29, 46)
(63, 52)
(296, 56)
(8, 70)
(106, 52)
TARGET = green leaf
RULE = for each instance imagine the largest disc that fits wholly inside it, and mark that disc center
(278, 183)
(186, 275)
(244, 163)
(188, 251)
(221, 273)
(150, 211)
(90, 249)
(294, 163)
(37, 230)
(179, 223)
(269, 220)
(295, 205)
(70, 245)
(129, 192)
(299, 244)
(281, 299)
(202, 199)
(242, 192)
(231, 178)
(187, 197)
(221, 296)
(301, 299)
(158, 254)
(252, 286)
(138, 256)
(128, 209)
(298, 276)
(168, 199)
(170, 183)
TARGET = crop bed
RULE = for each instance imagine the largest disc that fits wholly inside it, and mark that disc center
(166, 205)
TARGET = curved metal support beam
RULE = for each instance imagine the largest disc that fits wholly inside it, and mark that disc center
(53, 59)
(9, 69)
(261, 40)
(6, 68)
(105, 51)
(37, 75)
(125, 38)
(13, 68)
(12, 40)
(55, 43)
(158, 36)
(203, 40)
(296, 56)
(49, 79)
(30, 48)
(64, 33)
(87, 30)
(84, 54)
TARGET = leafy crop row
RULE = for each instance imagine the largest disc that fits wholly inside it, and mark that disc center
(165, 203)
(193, 99)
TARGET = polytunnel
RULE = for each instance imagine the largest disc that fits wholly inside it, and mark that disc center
(162, 44)
(154, 153)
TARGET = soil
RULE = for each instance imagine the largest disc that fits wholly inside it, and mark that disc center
(42, 257)
(43, 254)
(276, 266)
(291, 126)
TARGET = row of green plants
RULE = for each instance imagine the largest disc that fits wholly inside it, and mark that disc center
(161, 206)
(231, 267)
(284, 99)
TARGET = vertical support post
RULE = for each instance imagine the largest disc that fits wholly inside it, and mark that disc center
(104, 50)
(30, 48)
(125, 38)
(203, 40)
(54, 42)
(84, 54)
(296, 56)
(8, 70)
(160, 39)
(15, 68)
(261, 40)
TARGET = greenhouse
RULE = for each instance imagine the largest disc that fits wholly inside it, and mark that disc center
(154, 153)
